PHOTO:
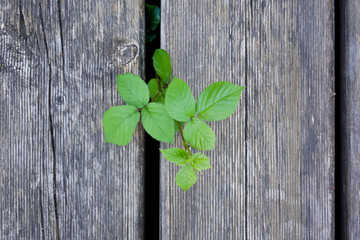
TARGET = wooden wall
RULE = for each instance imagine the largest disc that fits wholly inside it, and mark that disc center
(273, 174)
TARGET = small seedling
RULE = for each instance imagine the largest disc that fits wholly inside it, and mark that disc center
(168, 106)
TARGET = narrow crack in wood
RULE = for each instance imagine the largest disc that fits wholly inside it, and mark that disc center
(41, 214)
(51, 125)
(246, 130)
(61, 40)
(21, 26)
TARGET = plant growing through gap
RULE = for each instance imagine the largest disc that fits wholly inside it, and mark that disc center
(166, 105)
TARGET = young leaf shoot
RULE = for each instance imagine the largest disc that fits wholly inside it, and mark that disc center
(167, 106)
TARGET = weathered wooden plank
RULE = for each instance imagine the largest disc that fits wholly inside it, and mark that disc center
(291, 120)
(59, 61)
(272, 175)
(206, 41)
(350, 118)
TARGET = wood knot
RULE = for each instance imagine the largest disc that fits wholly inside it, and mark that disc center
(16, 59)
(123, 52)
(59, 98)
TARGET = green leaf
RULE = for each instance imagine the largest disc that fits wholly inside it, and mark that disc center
(179, 101)
(218, 101)
(163, 89)
(152, 16)
(153, 87)
(175, 155)
(132, 89)
(200, 161)
(186, 177)
(119, 124)
(157, 123)
(154, 91)
(162, 64)
(159, 99)
(199, 135)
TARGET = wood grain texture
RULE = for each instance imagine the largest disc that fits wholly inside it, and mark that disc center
(350, 117)
(273, 165)
(59, 61)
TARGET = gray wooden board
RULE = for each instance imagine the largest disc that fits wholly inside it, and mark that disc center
(58, 66)
(273, 164)
(350, 118)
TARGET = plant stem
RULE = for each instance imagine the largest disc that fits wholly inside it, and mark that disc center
(186, 145)
(159, 93)
(158, 81)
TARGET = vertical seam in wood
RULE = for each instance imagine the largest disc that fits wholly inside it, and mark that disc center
(21, 26)
(50, 124)
(61, 40)
(54, 156)
(246, 125)
(42, 230)
(63, 73)
(41, 214)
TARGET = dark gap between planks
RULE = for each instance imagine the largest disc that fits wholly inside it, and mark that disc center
(339, 102)
(152, 155)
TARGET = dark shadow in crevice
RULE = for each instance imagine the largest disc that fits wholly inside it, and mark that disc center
(340, 163)
(152, 170)
(22, 25)
(152, 155)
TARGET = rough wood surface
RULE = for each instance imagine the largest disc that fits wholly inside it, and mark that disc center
(58, 66)
(273, 164)
(350, 118)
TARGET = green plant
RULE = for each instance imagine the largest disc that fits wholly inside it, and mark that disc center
(167, 107)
